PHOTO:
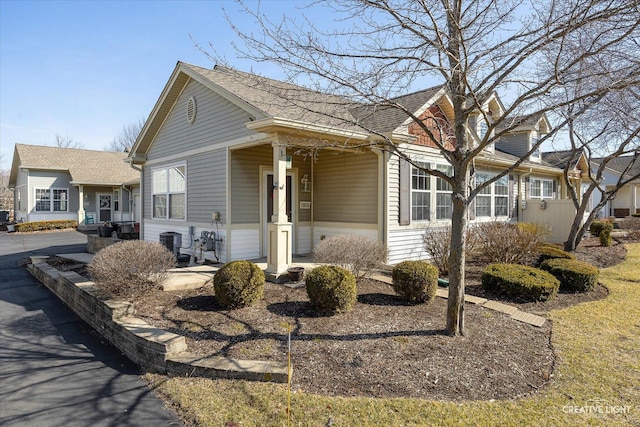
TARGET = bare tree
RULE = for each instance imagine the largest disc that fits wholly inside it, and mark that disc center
(6, 195)
(611, 131)
(384, 48)
(67, 142)
(127, 137)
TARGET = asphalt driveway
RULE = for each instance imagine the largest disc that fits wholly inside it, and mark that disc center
(54, 369)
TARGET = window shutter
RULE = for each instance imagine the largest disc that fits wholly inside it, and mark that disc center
(472, 204)
(555, 189)
(527, 187)
(405, 192)
(513, 207)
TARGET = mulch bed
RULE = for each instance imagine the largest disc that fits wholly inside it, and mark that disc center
(383, 348)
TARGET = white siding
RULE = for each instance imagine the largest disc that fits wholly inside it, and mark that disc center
(152, 231)
(406, 244)
(245, 244)
(327, 230)
(304, 238)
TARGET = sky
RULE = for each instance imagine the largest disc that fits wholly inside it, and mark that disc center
(85, 69)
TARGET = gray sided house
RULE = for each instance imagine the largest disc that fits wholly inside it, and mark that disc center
(627, 200)
(273, 168)
(91, 187)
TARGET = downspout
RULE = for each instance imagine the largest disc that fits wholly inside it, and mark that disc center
(522, 193)
(140, 221)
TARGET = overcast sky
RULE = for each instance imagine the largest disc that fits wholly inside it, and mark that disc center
(83, 69)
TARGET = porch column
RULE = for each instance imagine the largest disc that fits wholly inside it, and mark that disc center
(80, 204)
(634, 199)
(279, 229)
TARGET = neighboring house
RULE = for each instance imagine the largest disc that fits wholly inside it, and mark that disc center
(627, 200)
(88, 186)
(273, 168)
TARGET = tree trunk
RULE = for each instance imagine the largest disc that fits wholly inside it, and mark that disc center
(457, 255)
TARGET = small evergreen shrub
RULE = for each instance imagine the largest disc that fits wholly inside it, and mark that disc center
(130, 268)
(519, 282)
(238, 284)
(547, 251)
(597, 225)
(358, 254)
(415, 281)
(331, 289)
(58, 224)
(574, 275)
(605, 235)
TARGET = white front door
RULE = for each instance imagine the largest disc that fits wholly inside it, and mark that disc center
(104, 206)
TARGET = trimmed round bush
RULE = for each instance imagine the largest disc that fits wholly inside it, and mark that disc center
(238, 284)
(574, 275)
(331, 289)
(519, 282)
(130, 268)
(547, 251)
(598, 225)
(415, 281)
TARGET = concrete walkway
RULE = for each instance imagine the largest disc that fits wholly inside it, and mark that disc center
(55, 370)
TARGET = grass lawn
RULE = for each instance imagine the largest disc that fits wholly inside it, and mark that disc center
(597, 380)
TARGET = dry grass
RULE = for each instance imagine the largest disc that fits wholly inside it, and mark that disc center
(596, 342)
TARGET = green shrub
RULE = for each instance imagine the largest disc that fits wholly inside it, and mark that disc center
(331, 289)
(130, 268)
(519, 282)
(415, 281)
(574, 275)
(547, 251)
(358, 254)
(238, 284)
(58, 224)
(597, 225)
(605, 236)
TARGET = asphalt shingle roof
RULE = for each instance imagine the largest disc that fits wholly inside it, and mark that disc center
(619, 164)
(84, 166)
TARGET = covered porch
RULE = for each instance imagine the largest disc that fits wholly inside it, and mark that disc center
(285, 198)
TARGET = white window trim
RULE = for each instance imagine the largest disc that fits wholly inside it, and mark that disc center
(433, 198)
(541, 196)
(51, 199)
(168, 193)
(492, 195)
(430, 191)
(441, 167)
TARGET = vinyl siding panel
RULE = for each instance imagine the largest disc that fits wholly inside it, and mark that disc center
(345, 187)
(206, 186)
(517, 144)
(245, 244)
(245, 183)
(217, 120)
(406, 244)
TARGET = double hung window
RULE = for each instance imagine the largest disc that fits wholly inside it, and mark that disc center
(169, 188)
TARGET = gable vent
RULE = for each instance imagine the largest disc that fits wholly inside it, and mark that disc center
(191, 110)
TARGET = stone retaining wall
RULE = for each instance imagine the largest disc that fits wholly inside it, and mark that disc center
(151, 348)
